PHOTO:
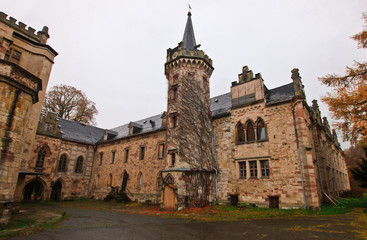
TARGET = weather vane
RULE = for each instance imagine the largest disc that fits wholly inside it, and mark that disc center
(189, 7)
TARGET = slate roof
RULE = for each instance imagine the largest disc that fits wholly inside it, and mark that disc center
(220, 106)
(280, 94)
(80, 132)
(147, 125)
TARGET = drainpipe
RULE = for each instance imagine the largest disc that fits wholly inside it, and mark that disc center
(299, 156)
(317, 159)
(213, 161)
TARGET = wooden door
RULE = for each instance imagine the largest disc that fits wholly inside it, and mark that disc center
(169, 198)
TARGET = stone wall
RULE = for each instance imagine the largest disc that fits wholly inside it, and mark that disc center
(141, 189)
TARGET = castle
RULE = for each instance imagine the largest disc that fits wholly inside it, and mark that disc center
(252, 144)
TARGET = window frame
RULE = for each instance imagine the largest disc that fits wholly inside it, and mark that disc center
(161, 152)
(79, 165)
(100, 155)
(243, 135)
(258, 131)
(62, 163)
(142, 153)
(40, 162)
(265, 168)
(113, 156)
(250, 129)
(242, 170)
(126, 157)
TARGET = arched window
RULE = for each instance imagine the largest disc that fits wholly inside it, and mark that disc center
(79, 165)
(260, 130)
(240, 134)
(250, 132)
(62, 163)
(41, 157)
(109, 181)
(140, 182)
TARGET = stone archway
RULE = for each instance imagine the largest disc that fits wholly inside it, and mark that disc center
(33, 190)
(125, 177)
(56, 191)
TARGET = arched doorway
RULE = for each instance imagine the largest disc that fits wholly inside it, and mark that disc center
(33, 191)
(56, 191)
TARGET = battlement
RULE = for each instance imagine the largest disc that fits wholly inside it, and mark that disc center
(41, 36)
(179, 51)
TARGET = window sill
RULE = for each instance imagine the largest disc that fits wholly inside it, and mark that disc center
(240, 143)
(253, 178)
(250, 142)
(38, 169)
(263, 140)
(265, 177)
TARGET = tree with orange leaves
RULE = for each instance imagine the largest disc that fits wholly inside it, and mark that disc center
(348, 99)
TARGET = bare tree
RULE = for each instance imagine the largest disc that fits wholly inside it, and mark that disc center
(70, 103)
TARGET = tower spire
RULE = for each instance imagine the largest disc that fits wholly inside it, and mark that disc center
(188, 40)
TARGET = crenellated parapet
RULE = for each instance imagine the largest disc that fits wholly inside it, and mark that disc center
(41, 36)
(188, 62)
(181, 53)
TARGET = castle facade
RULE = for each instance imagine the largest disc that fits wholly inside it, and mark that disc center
(252, 144)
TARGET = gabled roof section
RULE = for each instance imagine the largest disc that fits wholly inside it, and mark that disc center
(188, 40)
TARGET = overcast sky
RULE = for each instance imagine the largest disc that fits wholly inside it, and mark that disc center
(115, 50)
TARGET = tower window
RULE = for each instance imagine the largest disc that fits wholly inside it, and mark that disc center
(174, 121)
(13, 55)
(173, 159)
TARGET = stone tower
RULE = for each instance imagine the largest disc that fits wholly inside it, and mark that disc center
(189, 162)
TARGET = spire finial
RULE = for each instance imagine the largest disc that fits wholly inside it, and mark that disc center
(188, 40)
(189, 13)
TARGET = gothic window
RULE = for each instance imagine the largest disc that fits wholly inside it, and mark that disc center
(126, 155)
(240, 134)
(161, 151)
(62, 163)
(113, 157)
(140, 182)
(41, 157)
(253, 169)
(159, 183)
(250, 132)
(264, 168)
(142, 152)
(260, 130)
(79, 165)
(242, 167)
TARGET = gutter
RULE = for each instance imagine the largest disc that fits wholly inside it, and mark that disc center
(299, 156)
